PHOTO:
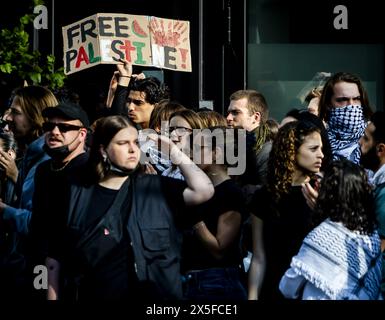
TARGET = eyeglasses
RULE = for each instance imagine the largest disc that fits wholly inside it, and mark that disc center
(63, 127)
(179, 131)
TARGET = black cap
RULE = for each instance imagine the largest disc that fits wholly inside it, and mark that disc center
(68, 111)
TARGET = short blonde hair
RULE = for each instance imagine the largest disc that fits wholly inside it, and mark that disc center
(256, 102)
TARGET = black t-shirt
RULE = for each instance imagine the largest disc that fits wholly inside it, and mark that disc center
(285, 225)
(172, 190)
(101, 201)
(51, 187)
(115, 276)
(227, 197)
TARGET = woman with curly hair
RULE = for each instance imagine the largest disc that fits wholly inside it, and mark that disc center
(341, 258)
(281, 217)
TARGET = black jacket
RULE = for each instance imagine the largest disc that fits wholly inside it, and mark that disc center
(150, 222)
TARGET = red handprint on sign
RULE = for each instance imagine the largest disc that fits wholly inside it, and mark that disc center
(172, 36)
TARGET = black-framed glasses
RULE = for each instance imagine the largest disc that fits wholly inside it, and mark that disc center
(63, 127)
(179, 131)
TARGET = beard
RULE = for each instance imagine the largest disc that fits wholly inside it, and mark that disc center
(370, 160)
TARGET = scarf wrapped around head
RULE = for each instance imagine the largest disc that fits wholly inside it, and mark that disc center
(345, 127)
(342, 263)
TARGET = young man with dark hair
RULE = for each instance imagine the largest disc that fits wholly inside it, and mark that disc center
(136, 96)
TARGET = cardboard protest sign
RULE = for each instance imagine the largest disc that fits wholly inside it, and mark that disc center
(106, 38)
(142, 40)
(170, 44)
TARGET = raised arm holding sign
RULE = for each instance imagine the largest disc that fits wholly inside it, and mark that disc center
(141, 40)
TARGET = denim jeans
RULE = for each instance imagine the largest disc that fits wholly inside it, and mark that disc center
(214, 284)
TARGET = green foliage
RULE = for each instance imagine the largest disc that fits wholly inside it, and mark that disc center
(17, 59)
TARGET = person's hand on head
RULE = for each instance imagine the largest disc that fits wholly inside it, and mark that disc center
(166, 146)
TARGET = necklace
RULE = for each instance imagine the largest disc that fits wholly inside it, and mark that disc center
(58, 169)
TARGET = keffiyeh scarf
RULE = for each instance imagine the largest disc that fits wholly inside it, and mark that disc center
(345, 127)
(379, 177)
(342, 263)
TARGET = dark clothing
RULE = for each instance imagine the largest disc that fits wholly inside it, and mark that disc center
(252, 179)
(14, 277)
(114, 275)
(215, 284)
(7, 187)
(7, 195)
(19, 213)
(119, 104)
(50, 187)
(227, 197)
(285, 225)
(256, 162)
(142, 216)
(101, 201)
(210, 278)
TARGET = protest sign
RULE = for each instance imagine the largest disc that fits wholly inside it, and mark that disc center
(105, 38)
(170, 44)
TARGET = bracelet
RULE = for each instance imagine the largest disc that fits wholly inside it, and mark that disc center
(126, 76)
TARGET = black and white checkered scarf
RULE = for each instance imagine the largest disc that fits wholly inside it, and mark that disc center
(345, 127)
(344, 264)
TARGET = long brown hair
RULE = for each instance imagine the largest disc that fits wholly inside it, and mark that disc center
(282, 160)
(328, 91)
(33, 100)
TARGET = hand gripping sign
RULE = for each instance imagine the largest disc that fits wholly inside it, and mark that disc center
(142, 40)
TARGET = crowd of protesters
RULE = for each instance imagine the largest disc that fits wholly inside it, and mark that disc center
(157, 201)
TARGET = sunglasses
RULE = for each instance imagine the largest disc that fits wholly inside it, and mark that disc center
(63, 127)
